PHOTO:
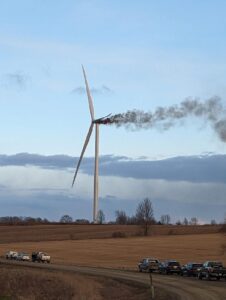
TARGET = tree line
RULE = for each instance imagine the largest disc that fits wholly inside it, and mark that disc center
(15, 220)
(144, 216)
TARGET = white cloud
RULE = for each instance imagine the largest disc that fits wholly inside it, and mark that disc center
(47, 192)
(32, 179)
(180, 191)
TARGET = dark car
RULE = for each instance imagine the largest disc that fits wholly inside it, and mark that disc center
(212, 269)
(148, 264)
(170, 267)
(191, 269)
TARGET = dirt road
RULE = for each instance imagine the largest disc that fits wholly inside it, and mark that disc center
(177, 287)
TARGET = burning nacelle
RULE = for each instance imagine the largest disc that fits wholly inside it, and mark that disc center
(104, 120)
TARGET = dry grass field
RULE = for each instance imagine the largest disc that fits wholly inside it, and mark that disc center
(25, 233)
(92, 245)
(18, 283)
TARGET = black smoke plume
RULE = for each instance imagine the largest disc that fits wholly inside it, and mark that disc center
(211, 111)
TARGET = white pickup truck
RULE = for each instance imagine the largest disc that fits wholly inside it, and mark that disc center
(11, 255)
(40, 257)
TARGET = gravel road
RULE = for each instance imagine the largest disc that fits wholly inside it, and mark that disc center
(177, 287)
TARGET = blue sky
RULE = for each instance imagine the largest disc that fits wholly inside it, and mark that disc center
(137, 54)
(147, 53)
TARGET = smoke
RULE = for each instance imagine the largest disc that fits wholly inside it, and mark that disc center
(163, 118)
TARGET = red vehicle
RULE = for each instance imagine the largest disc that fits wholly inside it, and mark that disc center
(191, 269)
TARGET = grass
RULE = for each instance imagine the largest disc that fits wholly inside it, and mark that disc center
(61, 232)
(93, 245)
(126, 252)
(23, 284)
(17, 283)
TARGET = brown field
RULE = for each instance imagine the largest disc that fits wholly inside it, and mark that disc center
(58, 232)
(92, 245)
(23, 283)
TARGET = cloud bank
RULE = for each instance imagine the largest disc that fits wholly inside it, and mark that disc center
(205, 168)
(38, 185)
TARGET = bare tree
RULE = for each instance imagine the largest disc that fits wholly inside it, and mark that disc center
(194, 221)
(100, 217)
(185, 221)
(121, 217)
(165, 219)
(145, 215)
(66, 219)
(132, 220)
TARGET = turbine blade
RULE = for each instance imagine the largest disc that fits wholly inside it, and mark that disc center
(88, 95)
(83, 151)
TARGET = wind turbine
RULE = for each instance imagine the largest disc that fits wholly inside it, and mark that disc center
(95, 122)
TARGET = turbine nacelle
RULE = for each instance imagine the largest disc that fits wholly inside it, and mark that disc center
(103, 120)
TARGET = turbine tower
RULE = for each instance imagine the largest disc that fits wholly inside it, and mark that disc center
(95, 122)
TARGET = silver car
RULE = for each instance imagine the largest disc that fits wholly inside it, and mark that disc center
(23, 256)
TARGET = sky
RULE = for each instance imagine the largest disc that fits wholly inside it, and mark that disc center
(137, 55)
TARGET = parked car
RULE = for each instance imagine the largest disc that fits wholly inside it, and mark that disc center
(40, 257)
(148, 264)
(191, 269)
(170, 267)
(14, 256)
(212, 269)
(23, 256)
(11, 254)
